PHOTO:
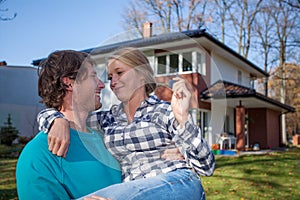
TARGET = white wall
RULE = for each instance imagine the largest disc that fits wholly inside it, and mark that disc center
(108, 98)
(225, 70)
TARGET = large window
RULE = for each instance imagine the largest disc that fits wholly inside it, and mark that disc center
(181, 62)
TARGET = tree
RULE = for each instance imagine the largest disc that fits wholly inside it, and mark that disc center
(8, 132)
(222, 9)
(293, 3)
(286, 22)
(277, 31)
(242, 16)
(292, 89)
(263, 29)
(166, 15)
(2, 10)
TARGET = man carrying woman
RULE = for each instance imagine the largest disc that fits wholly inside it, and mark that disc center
(140, 129)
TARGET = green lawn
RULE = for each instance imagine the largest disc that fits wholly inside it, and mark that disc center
(272, 176)
(7, 179)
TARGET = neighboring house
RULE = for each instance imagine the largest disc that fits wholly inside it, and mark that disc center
(223, 81)
(19, 98)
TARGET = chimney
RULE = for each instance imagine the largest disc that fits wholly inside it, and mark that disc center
(3, 63)
(147, 29)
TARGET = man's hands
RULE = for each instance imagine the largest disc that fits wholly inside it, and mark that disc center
(59, 137)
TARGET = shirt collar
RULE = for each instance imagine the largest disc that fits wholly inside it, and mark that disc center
(153, 99)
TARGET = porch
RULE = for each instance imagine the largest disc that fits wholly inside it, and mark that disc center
(255, 119)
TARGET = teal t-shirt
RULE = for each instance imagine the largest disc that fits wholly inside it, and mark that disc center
(87, 167)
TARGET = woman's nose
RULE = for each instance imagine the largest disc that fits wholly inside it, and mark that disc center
(114, 80)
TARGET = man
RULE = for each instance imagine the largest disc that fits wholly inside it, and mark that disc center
(67, 82)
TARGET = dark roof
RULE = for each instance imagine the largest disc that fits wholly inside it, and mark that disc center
(141, 42)
(224, 89)
(163, 38)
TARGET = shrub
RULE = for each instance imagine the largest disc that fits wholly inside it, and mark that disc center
(8, 132)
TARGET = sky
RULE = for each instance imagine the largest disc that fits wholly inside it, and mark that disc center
(43, 26)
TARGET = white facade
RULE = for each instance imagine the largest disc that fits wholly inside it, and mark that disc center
(223, 69)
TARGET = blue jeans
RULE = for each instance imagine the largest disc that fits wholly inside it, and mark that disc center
(181, 184)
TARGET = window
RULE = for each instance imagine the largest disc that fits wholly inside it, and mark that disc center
(187, 62)
(174, 64)
(239, 77)
(161, 65)
(226, 124)
(251, 83)
(200, 64)
(202, 122)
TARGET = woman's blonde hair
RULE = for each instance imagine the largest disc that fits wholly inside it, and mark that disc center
(136, 59)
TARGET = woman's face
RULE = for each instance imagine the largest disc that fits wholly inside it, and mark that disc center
(125, 82)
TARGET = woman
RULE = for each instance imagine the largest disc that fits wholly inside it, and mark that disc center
(138, 130)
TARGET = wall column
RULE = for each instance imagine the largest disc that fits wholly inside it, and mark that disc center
(240, 127)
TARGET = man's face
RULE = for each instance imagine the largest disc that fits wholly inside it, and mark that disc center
(87, 90)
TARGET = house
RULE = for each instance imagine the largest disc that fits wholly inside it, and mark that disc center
(225, 100)
(19, 97)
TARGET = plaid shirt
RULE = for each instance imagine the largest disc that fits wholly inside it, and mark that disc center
(138, 145)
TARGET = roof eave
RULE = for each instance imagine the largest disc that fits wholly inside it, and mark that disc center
(287, 108)
(163, 38)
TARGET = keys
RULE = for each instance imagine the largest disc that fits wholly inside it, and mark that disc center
(171, 83)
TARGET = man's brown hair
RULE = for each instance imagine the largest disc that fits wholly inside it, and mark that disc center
(60, 64)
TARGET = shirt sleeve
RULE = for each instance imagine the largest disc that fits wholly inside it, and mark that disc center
(193, 146)
(46, 117)
(38, 177)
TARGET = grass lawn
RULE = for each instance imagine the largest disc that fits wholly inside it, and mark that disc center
(272, 176)
(7, 179)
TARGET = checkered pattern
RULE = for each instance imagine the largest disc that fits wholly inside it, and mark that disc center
(138, 145)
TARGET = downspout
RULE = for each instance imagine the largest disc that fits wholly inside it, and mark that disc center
(279, 118)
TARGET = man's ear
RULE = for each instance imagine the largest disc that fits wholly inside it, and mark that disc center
(68, 82)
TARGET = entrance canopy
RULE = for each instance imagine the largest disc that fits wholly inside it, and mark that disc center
(236, 95)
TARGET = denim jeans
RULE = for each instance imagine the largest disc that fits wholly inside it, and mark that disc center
(181, 184)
